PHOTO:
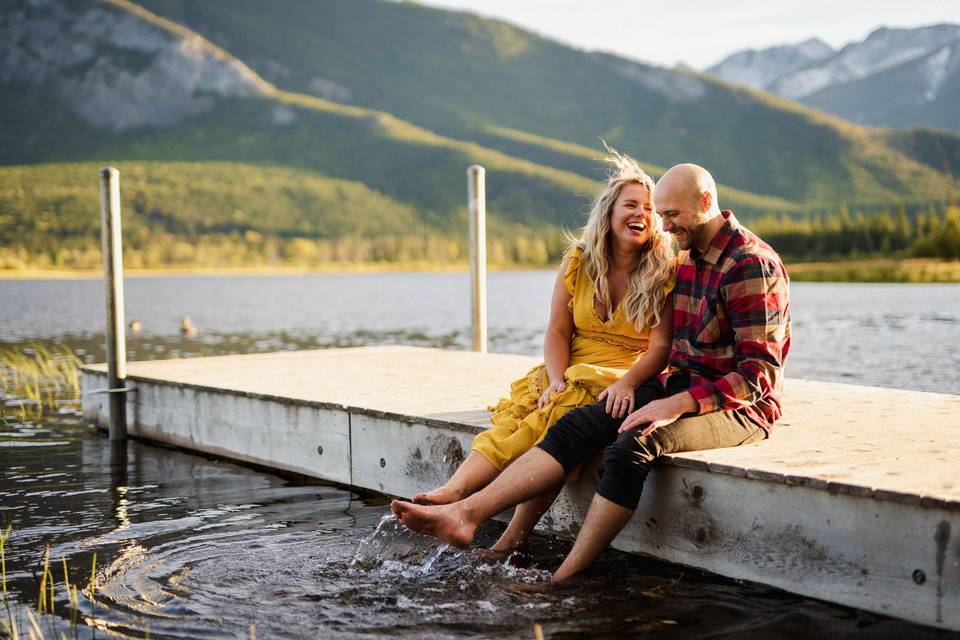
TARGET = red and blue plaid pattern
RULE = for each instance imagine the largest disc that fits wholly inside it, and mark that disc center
(731, 324)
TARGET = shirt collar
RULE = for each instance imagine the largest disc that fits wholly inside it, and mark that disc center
(720, 240)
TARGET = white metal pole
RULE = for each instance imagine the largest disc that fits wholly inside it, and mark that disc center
(113, 276)
(477, 201)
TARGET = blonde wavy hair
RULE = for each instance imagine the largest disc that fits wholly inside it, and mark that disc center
(655, 268)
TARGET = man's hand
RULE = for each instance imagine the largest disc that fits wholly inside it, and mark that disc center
(659, 413)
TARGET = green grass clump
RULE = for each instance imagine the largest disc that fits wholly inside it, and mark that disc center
(34, 378)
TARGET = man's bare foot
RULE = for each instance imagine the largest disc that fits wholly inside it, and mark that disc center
(446, 522)
(441, 495)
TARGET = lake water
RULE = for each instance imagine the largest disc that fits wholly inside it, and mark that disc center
(875, 334)
(191, 547)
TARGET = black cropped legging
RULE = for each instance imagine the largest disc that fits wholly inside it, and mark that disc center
(628, 457)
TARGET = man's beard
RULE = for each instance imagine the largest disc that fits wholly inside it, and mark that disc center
(695, 235)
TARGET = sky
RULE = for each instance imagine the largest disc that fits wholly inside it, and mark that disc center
(700, 33)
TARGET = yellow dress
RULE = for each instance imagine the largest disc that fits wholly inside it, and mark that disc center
(600, 353)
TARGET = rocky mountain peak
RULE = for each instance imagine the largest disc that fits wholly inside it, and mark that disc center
(922, 63)
(116, 69)
(758, 68)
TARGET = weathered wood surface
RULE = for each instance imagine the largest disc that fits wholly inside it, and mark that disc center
(902, 444)
(855, 498)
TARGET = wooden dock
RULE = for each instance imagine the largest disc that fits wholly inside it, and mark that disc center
(855, 499)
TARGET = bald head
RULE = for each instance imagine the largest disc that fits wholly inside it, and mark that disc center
(689, 181)
(686, 199)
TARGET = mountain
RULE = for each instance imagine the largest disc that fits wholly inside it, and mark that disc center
(921, 65)
(117, 69)
(760, 68)
(388, 102)
(927, 93)
(487, 81)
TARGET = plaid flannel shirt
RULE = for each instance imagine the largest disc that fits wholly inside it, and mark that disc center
(731, 325)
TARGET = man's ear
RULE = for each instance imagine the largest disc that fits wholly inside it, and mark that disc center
(706, 200)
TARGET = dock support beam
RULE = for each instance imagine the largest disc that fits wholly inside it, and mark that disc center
(477, 203)
(113, 276)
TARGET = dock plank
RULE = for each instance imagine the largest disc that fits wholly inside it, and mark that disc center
(394, 379)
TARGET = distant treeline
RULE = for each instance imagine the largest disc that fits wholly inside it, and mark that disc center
(236, 215)
(930, 233)
(232, 215)
(252, 249)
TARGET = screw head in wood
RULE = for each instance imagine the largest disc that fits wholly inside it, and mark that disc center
(320, 450)
(383, 463)
(919, 576)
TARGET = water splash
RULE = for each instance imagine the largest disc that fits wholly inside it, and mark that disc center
(393, 545)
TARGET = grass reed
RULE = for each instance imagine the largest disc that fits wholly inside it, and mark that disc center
(36, 377)
(12, 623)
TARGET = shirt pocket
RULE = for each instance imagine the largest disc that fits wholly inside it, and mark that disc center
(711, 326)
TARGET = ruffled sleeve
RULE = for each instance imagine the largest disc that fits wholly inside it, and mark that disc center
(574, 255)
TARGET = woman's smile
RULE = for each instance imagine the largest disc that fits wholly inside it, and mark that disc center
(631, 216)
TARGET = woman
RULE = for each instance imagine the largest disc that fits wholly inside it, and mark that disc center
(609, 332)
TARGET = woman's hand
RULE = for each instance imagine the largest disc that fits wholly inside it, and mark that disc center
(620, 398)
(555, 387)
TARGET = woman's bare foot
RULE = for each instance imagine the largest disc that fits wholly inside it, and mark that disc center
(511, 540)
(563, 576)
(441, 495)
(493, 556)
(446, 522)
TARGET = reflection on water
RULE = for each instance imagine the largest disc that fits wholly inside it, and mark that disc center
(190, 547)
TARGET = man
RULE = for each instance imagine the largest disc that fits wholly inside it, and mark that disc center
(731, 335)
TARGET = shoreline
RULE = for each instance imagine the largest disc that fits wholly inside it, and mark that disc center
(345, 269)
(878, 270)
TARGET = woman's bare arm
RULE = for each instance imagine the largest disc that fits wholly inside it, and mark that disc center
(556, 342)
